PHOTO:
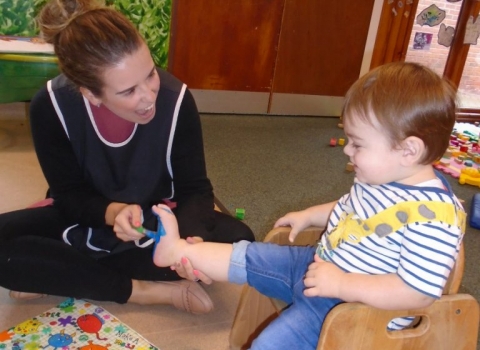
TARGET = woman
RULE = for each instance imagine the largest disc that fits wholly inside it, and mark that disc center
(113, 135)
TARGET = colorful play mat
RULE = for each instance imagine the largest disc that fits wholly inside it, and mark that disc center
(73, 324)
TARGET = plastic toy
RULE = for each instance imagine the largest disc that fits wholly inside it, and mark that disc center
(155, 235)
(333, 142)
(240, 213)
(341, 142)
(469, 176)
(463, 153)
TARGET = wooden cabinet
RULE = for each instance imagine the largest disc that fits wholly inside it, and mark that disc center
(227, 45)
(269, 56)
(321, 46)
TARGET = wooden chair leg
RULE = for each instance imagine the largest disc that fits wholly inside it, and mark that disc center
(254, 312)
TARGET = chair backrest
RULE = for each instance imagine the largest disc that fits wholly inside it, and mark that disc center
(449, 323)
(309, 236)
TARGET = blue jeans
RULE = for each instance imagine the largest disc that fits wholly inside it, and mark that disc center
(278, 272)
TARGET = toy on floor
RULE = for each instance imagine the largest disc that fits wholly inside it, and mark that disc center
(469, 176)
(240, 213)
(462, 158)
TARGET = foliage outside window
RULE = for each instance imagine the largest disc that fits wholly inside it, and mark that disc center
(151, 17)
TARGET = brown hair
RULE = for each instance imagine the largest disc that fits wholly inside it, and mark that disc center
(407, 99)
(87, 38)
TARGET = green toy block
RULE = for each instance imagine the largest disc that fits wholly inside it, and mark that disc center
(240, 213)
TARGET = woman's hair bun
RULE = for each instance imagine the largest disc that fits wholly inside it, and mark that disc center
(57, 15)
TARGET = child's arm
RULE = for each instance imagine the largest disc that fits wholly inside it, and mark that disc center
(300, 220)
(387, 291)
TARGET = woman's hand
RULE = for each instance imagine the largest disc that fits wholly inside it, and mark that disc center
(126, 219)
(185, 269)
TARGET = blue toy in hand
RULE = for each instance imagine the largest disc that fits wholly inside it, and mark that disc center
(155, 235)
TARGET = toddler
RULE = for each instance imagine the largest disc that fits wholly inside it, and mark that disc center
(390, 242)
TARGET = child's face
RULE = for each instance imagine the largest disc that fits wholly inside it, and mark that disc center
(375, 161)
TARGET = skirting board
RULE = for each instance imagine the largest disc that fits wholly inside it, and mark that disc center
(14, 111)
(241, 102)
(233, 102)
(314, 105)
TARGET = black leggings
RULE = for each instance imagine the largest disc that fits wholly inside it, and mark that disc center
(34, 258)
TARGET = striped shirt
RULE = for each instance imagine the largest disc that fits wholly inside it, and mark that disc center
(413, 231)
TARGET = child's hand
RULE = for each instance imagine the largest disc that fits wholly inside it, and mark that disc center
(297, 220)
(323, 279)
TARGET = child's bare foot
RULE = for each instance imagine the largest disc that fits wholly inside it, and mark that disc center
(169, 248)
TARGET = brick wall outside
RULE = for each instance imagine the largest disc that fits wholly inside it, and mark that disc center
(436, 57)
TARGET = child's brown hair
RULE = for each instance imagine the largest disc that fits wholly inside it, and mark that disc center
(407, 99)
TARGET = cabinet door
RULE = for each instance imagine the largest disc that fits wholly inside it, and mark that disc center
(321, 49)
(269, 56)
(225, 51)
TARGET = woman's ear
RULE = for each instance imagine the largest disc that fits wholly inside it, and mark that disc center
(413, 149)
(90, 96)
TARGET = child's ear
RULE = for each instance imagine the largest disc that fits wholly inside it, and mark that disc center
(90, 96)
(413, 149)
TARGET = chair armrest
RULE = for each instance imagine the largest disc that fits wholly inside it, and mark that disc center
(309, 236)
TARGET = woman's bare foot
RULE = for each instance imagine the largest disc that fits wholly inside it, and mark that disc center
(170, 247)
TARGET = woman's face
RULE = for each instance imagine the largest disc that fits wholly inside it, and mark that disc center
(131, 87)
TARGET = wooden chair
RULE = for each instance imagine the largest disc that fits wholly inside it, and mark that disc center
(449, 323)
